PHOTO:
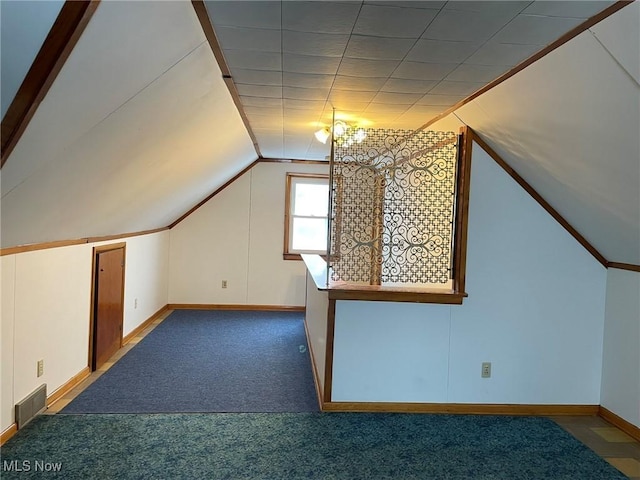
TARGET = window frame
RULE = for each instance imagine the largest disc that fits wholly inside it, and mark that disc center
(291, 179)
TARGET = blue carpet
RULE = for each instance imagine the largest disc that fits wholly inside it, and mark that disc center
(210, 361)
(290, 446)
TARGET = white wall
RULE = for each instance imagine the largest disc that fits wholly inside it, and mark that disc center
(621, 359)
(535, 310)
(46, 301)
(238, 236)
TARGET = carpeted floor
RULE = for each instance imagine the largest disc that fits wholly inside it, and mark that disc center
(210, 361)
(302, 446)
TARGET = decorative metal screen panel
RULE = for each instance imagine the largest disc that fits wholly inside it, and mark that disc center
(392, 208)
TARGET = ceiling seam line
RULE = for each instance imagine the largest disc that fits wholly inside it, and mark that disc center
(613, 57)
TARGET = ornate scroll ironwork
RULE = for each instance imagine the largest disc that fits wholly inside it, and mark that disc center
(393, 206)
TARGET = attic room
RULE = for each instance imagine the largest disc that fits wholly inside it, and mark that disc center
(167, 129)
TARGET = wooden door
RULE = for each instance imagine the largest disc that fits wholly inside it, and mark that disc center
(108, 305)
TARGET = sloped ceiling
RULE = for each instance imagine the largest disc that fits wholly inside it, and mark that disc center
(139, 125)
(389, 64)
(137, 128)
(570, 125)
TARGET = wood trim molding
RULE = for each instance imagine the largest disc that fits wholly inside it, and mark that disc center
(213, 194)
(293, 160)
(590, 22)
(220, 306)
(462, 211)
(624, 266)
(328, 358)
(314, 366)
(40, 246)
(207, 26)
(462, 408)
(65, 243)
(9, 432)
(136, 331)
(541, 201)
(74, 381)
(386, 294)
(619, 422)
(56, 48)
(125, 235)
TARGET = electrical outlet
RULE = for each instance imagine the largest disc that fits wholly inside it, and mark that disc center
(486, 369)
(224, 284)
(135, 303)
(40, 368)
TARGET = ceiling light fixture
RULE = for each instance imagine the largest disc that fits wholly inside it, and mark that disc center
(343, 133)
(323, 134)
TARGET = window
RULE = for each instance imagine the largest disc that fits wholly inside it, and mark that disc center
(306, 210)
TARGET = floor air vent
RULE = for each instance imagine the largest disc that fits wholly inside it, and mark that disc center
(31, 406)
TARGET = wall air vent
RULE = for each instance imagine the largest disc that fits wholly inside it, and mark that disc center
(31, 406)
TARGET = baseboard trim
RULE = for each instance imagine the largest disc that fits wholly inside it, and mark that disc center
(617, 421)
(8, 433)
(314, 368)
(136, 331)
(68, 386)
(462, 408)
(235, 306)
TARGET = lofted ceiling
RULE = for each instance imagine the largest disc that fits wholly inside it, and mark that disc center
(390, 64)
(139, 125)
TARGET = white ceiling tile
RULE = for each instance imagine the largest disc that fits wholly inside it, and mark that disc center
(292, 79)
(253, 59)
(297, 117)
(265, 121)
(298, 128)
(434, 5)
(319, 44)
(256, 77)
(366, 84)
(510, 54)
(267, 131)
(402, 85)
(256, 39)
(343, 96)
(476, 73)
(261, 101)
(321, 17)
(535, 30)
(423, 71)
(351, 108)
(573, 8)
(310, 64)
(393, 21)
(490, 7)
(418, 115)
(386, 109)
(355, 67)
(259, 90)
(466, 26)
(271, 146)
(441, 51)
(378, 48)
(254, 14)
(292, 103)
(251, 110)
(435, 100)
(456, 88)
(305, 93)
(397, 98)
